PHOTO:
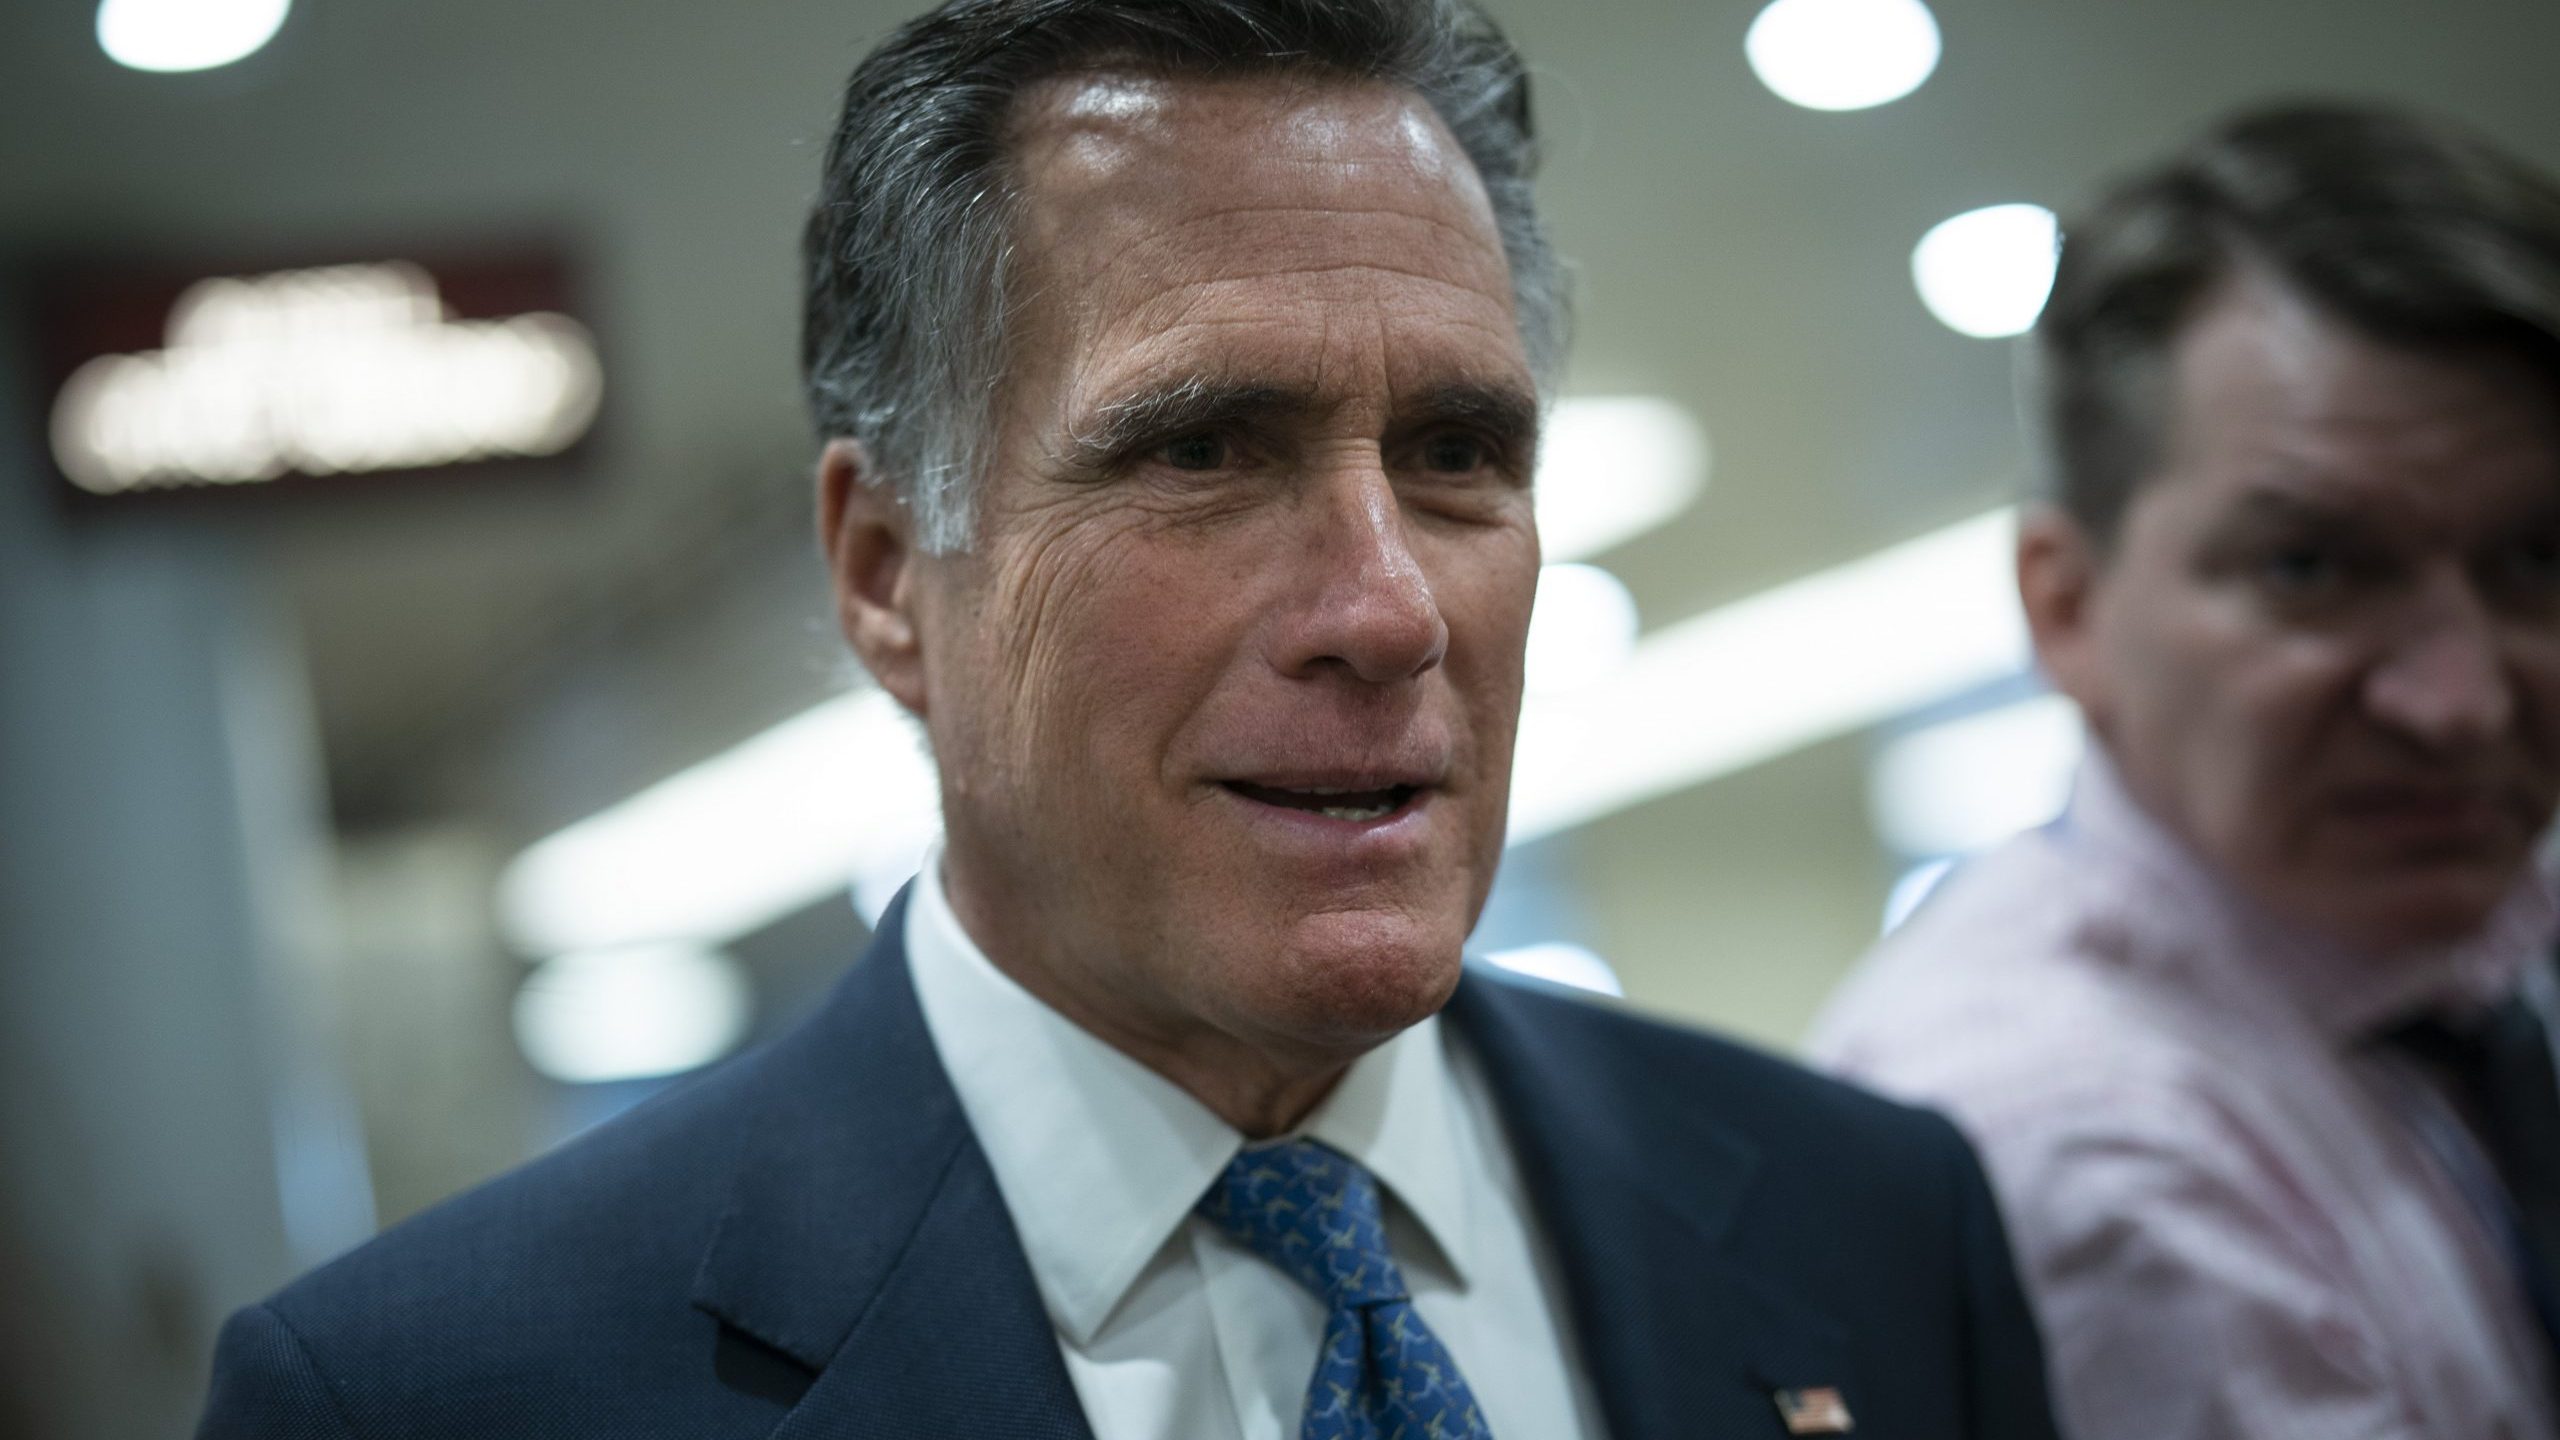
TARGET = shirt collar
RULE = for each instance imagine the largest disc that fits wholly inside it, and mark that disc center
(1100, 1159)
(2186, 909)
(1395, 1111)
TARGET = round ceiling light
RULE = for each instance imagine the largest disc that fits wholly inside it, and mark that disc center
(173, 35)
(1986, 272)
(1842, 54)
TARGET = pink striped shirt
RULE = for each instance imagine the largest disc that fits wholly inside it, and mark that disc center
(2222, 1195)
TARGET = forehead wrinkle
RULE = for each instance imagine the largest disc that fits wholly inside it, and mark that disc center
(1126, 315)
(1173, 304)
(1328, 368)
(1489, 292)
(1302, 239)
(1186, 293)
(1175, 332)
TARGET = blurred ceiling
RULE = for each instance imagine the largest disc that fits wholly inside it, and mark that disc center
(1737, 253)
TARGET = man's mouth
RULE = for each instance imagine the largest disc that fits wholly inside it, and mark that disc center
(2445, 817)
(1334, 803)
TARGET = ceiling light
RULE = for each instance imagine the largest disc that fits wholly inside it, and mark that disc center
(1584, 627)
(1611, 467)
(736, 842)
(1967, 784)
(1818, 657)
(1842, 54)
(1986, 272)
(173, 35)
(631, 1014)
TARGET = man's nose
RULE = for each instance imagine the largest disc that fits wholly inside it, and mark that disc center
(1368, 607)
(2443, 682)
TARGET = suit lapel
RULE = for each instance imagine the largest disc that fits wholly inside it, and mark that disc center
(865, 1238)
(1679, 1336)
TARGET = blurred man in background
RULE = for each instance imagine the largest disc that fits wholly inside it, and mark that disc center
(2255, 1036)
(1181, 368)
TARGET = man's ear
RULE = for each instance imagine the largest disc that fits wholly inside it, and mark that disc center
(869, 542)
(2059, 567)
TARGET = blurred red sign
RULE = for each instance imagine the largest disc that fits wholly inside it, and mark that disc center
(160, 381)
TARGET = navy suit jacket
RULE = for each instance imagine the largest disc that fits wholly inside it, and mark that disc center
(807, 1242)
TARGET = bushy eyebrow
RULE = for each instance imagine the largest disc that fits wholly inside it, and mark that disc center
(1170, 411)
(1508, 415)
(1154, 415)
(2264, 507)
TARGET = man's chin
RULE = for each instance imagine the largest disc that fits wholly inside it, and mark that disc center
(2429, 908)
(1354, 980)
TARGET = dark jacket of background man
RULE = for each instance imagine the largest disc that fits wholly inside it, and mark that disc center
(1180, 368)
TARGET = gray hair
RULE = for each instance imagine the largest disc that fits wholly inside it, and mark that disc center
(2410, 230)
(906, 251)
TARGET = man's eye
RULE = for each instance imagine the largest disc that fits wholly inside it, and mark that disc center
(2301, 569)
(2530, 568)
(1455, 453)
(2537, 559)
(1203, 451)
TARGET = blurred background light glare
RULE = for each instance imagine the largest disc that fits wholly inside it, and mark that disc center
(328, 371)
(1583, 629)
(1986, 272)
(1561, 963)
(1913, 889)
(1967, 784)
(1843, 54)
(632, 1013)
(1910, 625)
(173, 35)
(744, 838)
(1611, 467)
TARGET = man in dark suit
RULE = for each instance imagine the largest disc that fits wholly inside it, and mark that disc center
(1180, 366)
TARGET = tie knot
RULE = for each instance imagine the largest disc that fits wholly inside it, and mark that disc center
(1312, 1211)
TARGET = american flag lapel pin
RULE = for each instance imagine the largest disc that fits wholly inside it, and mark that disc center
(1816, 1410)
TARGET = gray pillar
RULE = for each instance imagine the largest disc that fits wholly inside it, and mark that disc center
(172, 1140)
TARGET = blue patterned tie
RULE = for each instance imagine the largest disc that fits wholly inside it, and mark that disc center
(1382, 1374)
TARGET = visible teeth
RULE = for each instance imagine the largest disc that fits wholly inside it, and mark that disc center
(1351, 812)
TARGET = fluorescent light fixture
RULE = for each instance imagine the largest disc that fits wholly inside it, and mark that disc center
(1583, 629)
(174, 35)
(1842, 54)
(1611, 467)
(736, 842)
(1561, 963)
(348, 368)
(631, 1014)
(1986, 272)
(1815, 658)
(843, 794)
(1970, 783)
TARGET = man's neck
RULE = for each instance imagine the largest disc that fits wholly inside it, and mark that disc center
(1261, 1087)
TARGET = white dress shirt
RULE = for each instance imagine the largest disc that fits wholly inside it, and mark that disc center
(2229, 1202)
(1173, 1331)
